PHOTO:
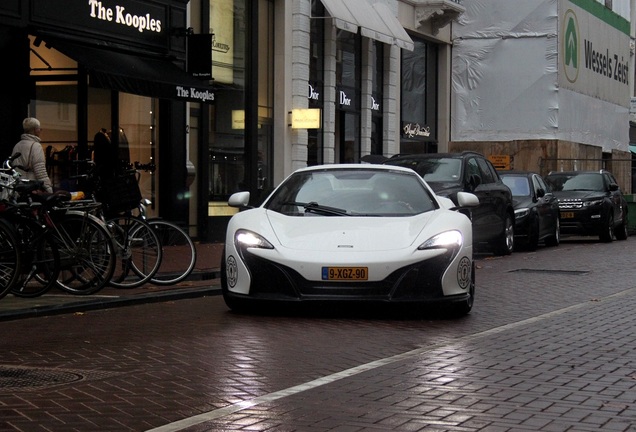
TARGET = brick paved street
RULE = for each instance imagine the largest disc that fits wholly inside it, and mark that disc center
(549, 346)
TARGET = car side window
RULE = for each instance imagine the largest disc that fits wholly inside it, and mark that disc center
(540, 184)
(609, 178)
(472, 168)
(488, 175)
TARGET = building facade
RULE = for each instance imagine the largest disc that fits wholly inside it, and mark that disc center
(209, 97)
(545, 85)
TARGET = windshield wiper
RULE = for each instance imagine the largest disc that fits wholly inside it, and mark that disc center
(314, 207)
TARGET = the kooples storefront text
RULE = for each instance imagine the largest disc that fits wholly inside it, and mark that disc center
(196, 94)
(118, 15)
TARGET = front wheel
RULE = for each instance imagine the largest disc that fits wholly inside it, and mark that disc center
(505, 243)
(10, 257)
(622, 231)
(179, 255)
(464, 307)
(555, 238)
(138, 252)
(87, 257)
(607, 232)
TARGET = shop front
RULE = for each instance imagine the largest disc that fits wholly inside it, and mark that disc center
(81, 67)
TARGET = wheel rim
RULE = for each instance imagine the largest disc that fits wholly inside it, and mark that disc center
(509, 234)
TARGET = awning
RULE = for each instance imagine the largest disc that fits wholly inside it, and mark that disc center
(375, 21)
(145, 76)
(632, 147)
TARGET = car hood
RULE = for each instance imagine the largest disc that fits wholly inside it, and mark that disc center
(321, 233)
(521, 202)
(578, 194)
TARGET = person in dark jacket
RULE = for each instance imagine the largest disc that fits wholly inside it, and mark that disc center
(104, 154)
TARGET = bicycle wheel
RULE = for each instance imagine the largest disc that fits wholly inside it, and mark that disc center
(40, 264)
(10, 259)
(138, 252)
(87, 253)
(179, 253)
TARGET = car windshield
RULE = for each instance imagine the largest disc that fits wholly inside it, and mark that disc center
(576, 182)
(517, 184)
(432, 169)
(351, 192)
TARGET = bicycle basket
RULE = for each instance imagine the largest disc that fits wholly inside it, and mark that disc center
(120, 193)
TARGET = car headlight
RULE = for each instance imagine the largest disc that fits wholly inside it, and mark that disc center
(592, 203)
(521, 213)
(248, 239)
(448, 240)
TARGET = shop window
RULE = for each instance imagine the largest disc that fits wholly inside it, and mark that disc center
(419, 98)
(315, 92)
(377, 94)
(348, 76)
(231, 53)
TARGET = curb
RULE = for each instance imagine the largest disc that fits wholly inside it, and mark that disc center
(63, 304)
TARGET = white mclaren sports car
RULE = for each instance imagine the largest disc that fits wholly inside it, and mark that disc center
(350, 233)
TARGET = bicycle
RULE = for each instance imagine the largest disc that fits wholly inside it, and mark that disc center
(179, 252)
(138, 247)
(83, 242)
(39, 264)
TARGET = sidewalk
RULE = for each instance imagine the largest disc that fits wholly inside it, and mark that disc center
(204, 280)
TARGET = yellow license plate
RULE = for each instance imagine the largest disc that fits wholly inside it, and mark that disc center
(345, 273)
(567, 215)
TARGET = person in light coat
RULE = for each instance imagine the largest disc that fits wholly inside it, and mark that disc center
(32, 157)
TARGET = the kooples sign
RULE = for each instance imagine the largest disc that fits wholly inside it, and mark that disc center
(136, 22)
(117, 14)
(194, 94)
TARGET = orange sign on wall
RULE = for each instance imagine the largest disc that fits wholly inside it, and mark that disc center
(501, 162)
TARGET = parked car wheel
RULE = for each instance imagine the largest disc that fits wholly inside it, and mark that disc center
(533, 237)
(554, 239)
(607, 234)
(621, 231)
(506, 242)
(464, 307)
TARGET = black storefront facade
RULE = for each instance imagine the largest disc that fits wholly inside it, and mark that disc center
(120, 65)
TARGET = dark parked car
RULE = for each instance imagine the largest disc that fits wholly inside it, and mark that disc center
(591, 203)
(536, 209)
(448, 173)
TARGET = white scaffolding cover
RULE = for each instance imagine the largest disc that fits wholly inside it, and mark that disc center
(505, 80)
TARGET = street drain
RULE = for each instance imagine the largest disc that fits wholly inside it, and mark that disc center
(571, 272)
(14, 378)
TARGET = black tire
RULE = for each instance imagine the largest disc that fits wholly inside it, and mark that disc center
(532, 242)
(40, 267)
(231, 302)
(464, 307)
(607, 233)
(555, 238)
(622, 231)
(10, 258)
(179, 255)
(138, 252)
(506, 242)
(87, 253)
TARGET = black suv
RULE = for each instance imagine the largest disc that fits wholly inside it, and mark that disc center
(449, 173)
(590, 203)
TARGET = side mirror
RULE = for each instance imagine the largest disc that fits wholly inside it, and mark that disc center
(540, 193)
(613, 187)
(239, 200)
(466, 199)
